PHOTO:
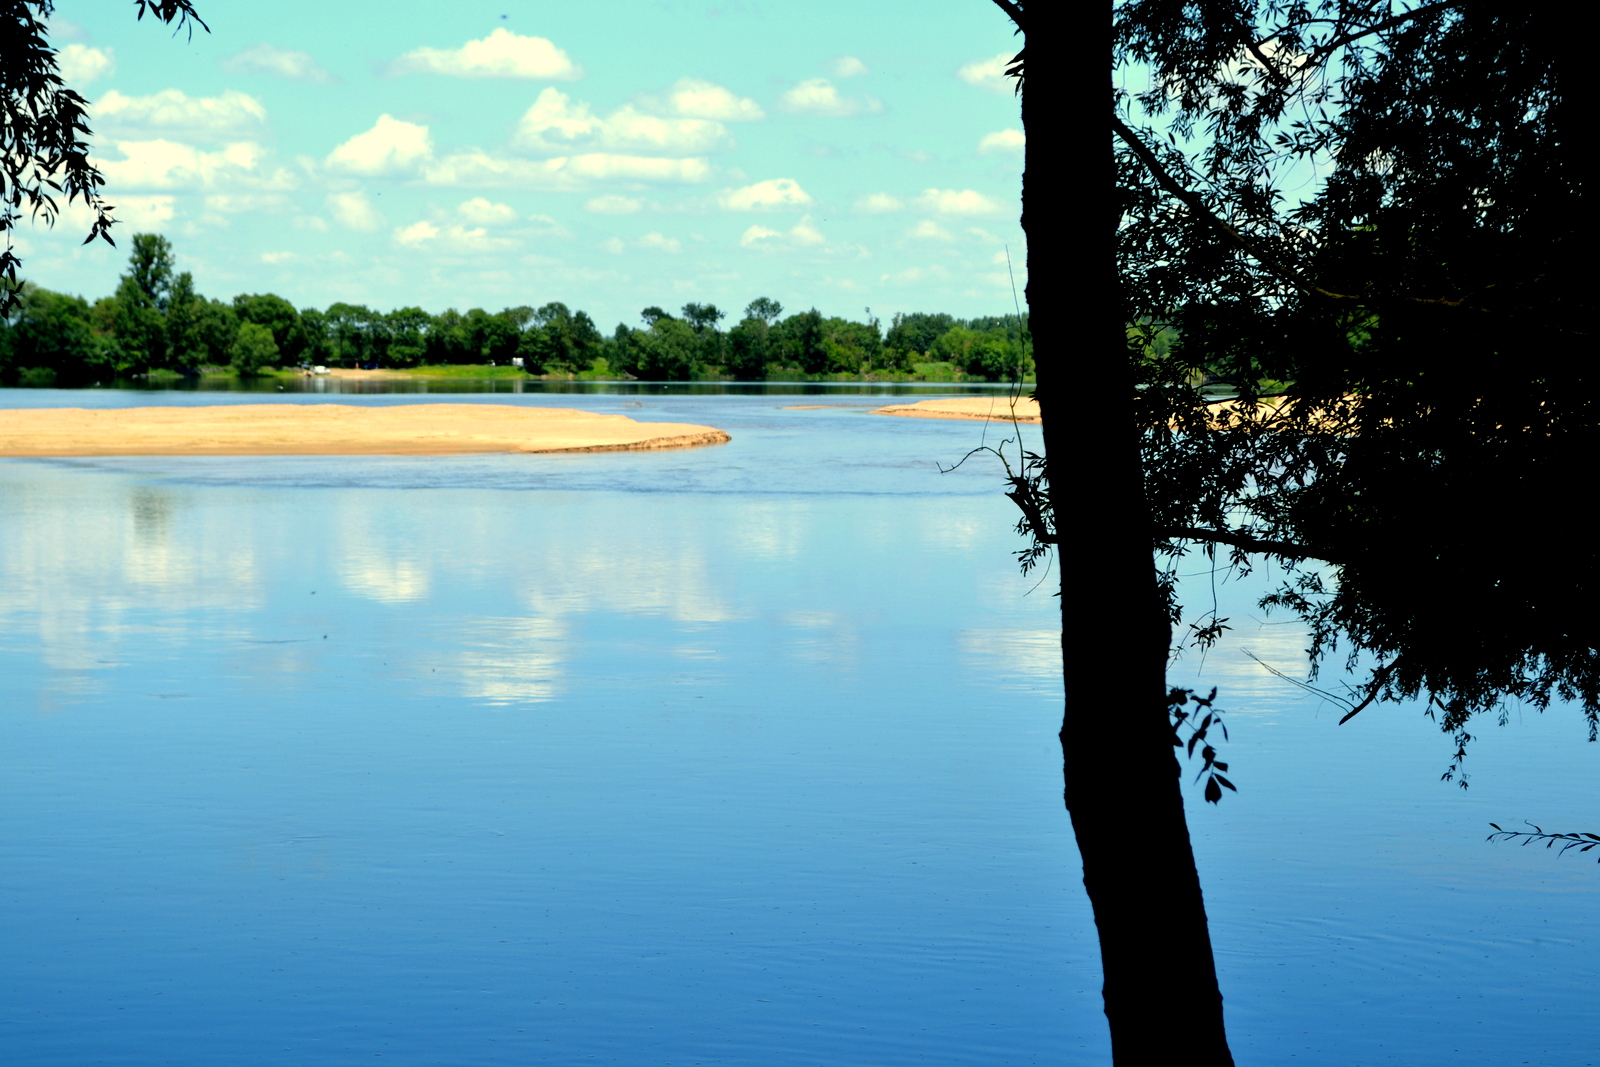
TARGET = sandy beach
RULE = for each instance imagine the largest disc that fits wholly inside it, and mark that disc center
(1000, 408)
(334, 429)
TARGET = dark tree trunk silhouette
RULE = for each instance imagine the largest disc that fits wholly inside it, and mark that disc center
(1122, 777)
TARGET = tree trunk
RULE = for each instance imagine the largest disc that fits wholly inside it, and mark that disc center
(1123, 786)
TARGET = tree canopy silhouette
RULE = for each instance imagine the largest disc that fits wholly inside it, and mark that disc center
(1364, 220)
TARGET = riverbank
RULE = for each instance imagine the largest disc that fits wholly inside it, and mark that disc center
(334, 429)
(987, 408)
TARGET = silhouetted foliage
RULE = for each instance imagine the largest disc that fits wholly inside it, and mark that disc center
(1413, 319)
(1369, 219)
(1581, 842)
(44, 129)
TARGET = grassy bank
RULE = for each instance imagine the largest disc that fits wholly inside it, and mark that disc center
(599, 372)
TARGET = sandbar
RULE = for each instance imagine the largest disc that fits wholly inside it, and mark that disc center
(995, 408)
(334, 430)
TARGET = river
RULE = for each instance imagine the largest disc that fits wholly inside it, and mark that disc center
(736, 755)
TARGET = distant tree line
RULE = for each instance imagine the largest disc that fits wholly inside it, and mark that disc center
(156, 321)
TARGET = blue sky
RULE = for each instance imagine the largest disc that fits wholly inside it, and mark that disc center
(610, 155)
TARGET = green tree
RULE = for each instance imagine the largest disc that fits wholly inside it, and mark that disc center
(215, 328)
(703, 318)
(798, 341)
(558, 341)
(851, 347)
(52, 333)
(349, 332)
(763, 308)
(408, 336)
(254, 350)
(665, 352)
(183, 304)
(747, 348)
(277, 315)
(315, 336)
(449, 340)
(913, 335)
(987, 353)
(137, 314)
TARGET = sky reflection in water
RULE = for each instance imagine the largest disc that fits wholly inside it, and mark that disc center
(739, 755)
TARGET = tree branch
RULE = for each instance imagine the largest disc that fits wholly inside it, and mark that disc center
(1272, 71)
(1014, 13)
(1286, 549)
(1356, 35)
(1194, 203)
(1387, 24)
(1379, 676)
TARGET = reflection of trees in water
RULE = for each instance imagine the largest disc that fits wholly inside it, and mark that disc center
(151, 509)
(154, 555)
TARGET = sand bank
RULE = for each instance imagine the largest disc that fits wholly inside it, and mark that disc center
(334, 430)
(999, 408)
(350, 374)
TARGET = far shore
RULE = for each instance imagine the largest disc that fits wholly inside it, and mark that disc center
(1000, 408)
(334, 429)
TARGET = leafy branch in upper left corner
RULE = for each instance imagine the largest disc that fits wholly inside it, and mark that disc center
(44, 129)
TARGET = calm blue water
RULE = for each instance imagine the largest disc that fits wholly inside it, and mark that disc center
(740, 755)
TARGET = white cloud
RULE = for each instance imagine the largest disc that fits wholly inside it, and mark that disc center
(548, 226)
(697, 99)
(476, 168)
(772, 193)
(847, 67)
(163, 164)
(601, 166)
(660, 243)
(554, 125)
(79, 64)
(417, 235)
(928, 230)
(277, 258)
(819, 97)
(612, 204)
(989, 73)
(238, 204)
(391, 145)
(62, 30)
(953, 202)
(1002, 141)
(486, 212)
(311, 222)
(451, 240)
(354, 211)
(613, 245)
(144, 213)
(878, 204)
(803, 234)
(281, 62)
(917, 274)
(133, 214)
(502, 54)
(173, 113)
